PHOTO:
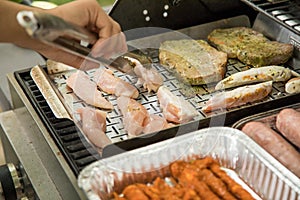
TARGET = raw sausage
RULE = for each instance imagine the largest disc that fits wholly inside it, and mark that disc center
(276, 145)
(288, 123)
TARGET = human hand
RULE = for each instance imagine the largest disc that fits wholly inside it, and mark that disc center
(88, 14)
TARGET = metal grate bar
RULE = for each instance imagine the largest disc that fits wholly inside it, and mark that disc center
(282, 12)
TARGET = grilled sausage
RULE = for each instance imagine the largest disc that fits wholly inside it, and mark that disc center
(276, 145)
(288, 123)
(293, 86)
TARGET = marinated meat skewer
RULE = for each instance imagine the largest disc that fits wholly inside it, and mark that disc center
(193, 180)
(216, 185)
(232, 186)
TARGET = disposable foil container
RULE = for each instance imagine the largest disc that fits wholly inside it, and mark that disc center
(262, 175)
(268, 118)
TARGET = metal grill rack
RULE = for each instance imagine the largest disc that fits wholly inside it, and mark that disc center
(115, 130)
(286, 13)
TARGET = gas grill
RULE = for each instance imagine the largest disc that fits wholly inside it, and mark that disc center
(62, 150)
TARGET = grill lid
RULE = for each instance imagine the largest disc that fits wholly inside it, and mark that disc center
(174, 14)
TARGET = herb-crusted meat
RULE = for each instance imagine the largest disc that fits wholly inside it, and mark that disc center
(195, 61)
(250, 46)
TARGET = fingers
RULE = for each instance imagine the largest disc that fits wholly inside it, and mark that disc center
(110, 47)
(70, 59)
(112, 41)
(89, 14)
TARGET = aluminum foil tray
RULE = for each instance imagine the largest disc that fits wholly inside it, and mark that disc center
(261, 174)
(268, 117)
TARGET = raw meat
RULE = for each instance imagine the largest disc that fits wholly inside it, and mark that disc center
(175, 109)
(87, 90)
(110, 84)
(148, 77)
(274, 144)
(135, 115)
(94, 126)
(238, 96)
(288, 123)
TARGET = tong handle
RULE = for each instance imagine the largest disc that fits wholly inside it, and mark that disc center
(69, 37)
(48, 27)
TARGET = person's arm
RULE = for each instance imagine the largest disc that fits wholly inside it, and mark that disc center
(85, 13)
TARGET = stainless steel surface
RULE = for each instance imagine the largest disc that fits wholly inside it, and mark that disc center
(41, 79)
(48, 27)
(284, 13)
(26, 140)
(4, 103)
(233, 149)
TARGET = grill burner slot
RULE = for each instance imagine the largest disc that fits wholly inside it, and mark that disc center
(287, 13)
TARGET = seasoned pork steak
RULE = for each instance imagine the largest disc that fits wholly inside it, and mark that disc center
(250, 46)
(195, 61)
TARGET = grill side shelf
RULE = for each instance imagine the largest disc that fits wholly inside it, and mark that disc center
(76, 150)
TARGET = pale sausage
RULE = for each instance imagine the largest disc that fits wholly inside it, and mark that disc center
(288, 123)
(273, 143)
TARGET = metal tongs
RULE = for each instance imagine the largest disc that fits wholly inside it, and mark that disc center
(74, 39)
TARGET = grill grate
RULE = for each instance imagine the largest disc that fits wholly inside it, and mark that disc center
(115, 130)
(286, 13)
